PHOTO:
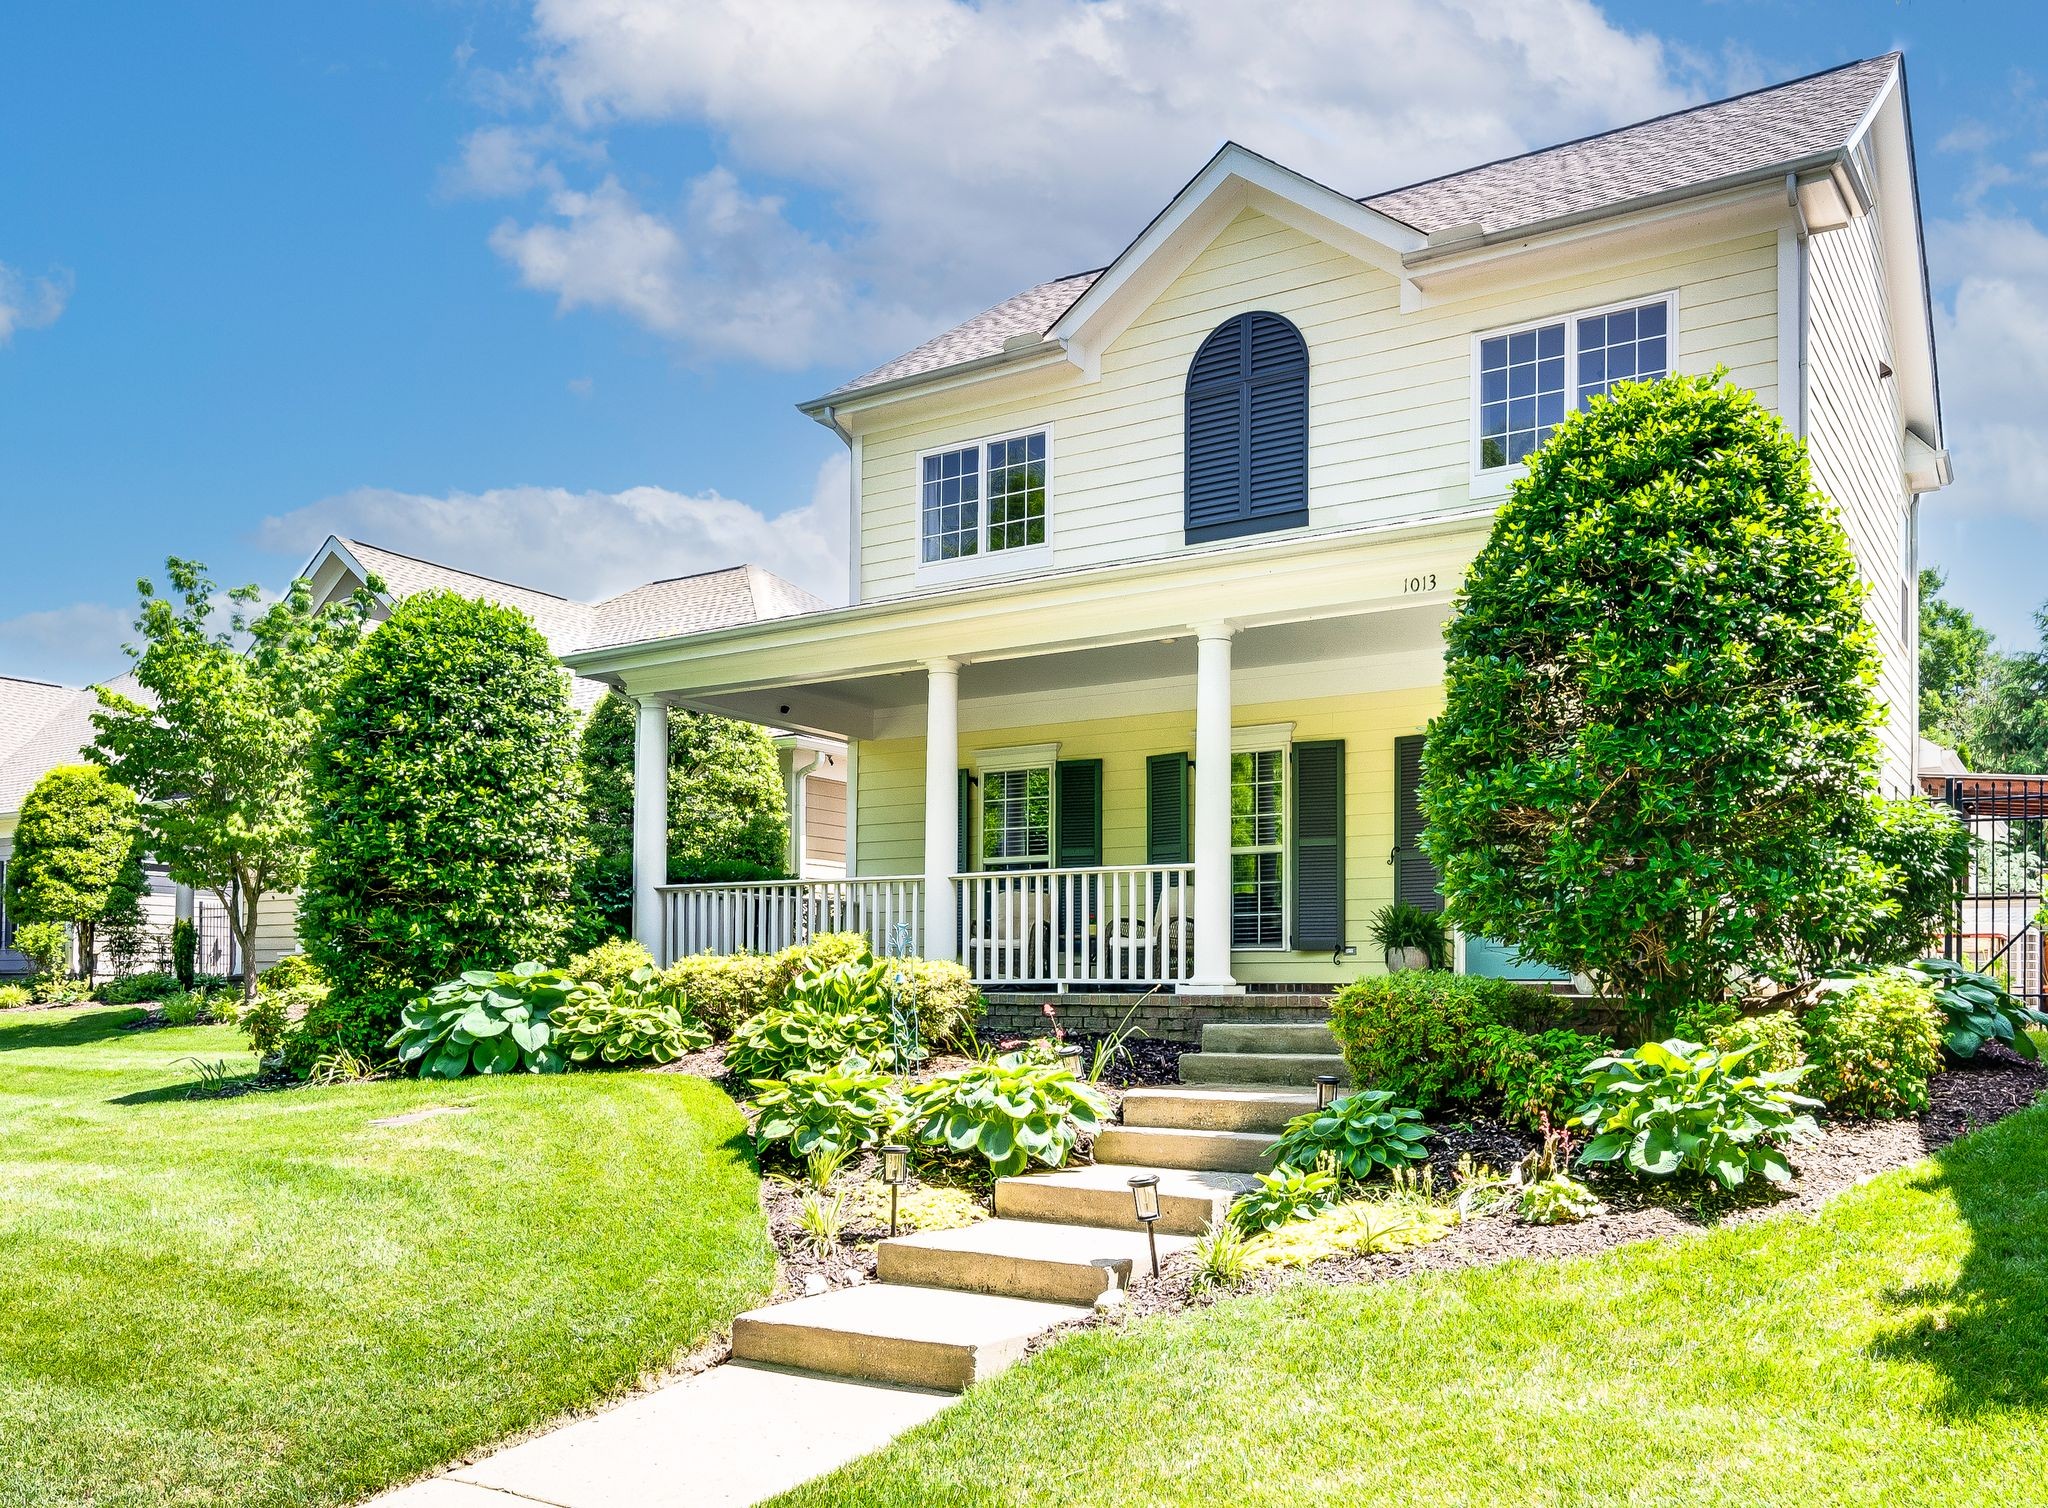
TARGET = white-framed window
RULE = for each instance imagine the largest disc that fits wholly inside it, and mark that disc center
(1258, 847)
(985, 506)
(1526, 377)
(1013, 806)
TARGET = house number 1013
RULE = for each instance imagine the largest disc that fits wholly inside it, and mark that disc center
(1419, 583)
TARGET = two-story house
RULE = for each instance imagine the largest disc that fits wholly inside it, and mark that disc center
(1151, 564)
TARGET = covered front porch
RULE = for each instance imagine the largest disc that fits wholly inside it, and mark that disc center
(1099, 789)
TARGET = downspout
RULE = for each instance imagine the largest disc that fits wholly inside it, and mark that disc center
(852, 444)
(1802, 236)
(798, 814)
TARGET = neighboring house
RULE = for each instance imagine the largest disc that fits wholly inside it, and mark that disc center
(42, 726)
(1150, 565)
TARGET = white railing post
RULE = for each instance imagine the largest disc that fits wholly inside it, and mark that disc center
(1212, 812)
(650, 826)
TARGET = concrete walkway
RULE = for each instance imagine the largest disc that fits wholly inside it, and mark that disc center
(726, 1438)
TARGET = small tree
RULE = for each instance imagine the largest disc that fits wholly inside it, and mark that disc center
(75, 859)
(447, 812)
(216, 746)
(727, 810)
(1658, 735)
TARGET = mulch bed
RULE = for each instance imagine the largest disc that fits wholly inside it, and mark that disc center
(1962, 1099)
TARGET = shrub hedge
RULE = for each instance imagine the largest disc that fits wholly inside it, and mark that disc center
(1444, 1041)
(724, 991)
(1873, 1046)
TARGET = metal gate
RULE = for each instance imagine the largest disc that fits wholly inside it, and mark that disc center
(1997, 923)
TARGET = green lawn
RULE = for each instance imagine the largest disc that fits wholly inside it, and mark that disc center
(270, 1300)
(1894, 1349)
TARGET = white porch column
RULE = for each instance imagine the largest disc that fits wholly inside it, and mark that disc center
(1212, 812)
(650, 825)
(941, 805)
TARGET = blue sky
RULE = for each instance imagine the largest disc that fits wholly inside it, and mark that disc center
(533, 288)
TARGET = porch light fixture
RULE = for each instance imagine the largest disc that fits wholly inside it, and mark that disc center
(1145, 1196)
(1326, 1090)
(895, 1173)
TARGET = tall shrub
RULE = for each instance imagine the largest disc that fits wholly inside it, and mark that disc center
(447, 814)
(727, 811)
(1659, 728)
(75, 858)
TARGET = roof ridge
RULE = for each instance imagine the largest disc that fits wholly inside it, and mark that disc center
(30, 680)
(671, 580)
(442, 565)
(1634, 125)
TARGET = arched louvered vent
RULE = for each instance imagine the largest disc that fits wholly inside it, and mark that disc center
(1247, 429)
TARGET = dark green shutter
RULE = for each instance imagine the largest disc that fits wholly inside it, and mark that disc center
(1416, 881)
(966, 818)
(1319, 846)
(1077, 814)
(1168, 828)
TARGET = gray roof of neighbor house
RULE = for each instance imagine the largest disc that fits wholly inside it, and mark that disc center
(42, 726)
(1688, 149)
(655, 610)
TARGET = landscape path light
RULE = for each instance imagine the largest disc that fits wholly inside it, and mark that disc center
(1145, 1196)
(1326, 1090)
(895, 1173)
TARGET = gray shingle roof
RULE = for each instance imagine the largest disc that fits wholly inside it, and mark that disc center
(1686, 149)
(61, 736)
(657, 610)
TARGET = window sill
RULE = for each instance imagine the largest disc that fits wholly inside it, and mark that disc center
(983, 567)
(1238, 528)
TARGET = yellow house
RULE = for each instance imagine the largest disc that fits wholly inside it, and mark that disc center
(1151, 564)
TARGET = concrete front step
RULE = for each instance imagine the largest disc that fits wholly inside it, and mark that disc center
(1260, 1067)
(1023, 1259)
(1189, 1201)
(1218, 1107)
(1268, 1036)
(893, 1332)
(1183, 1147)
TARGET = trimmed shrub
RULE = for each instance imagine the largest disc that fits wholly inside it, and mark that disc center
(724, 991)
(135, 989)
(1450, 1041)
(1659, 725)
(47, 947)
(1873, 1046)
(948, 1002)
(1776, 1035)
(446, 815)
(184, 950)
(291, 972)
(75, 856)
(612, 962)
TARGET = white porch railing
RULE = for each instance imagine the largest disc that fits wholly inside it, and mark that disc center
(1129, 924)
(767, 916)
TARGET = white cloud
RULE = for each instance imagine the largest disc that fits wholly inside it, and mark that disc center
(31, 303)
(965, 151)
(587, 545)
(1992, 338)
(76, 644)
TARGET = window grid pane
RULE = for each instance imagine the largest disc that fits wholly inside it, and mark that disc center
(1257, 840)
(1521, 393)
(1016, 492)
(1629, 344)
(1016, 817)
(952, 504)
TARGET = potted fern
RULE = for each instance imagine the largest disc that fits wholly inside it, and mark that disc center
(1411, 938)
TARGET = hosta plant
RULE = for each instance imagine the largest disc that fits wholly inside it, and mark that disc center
(786, 1039)
(1558, 1200)
(1675, 1106)
(639, 1019)
(1976, 1008)
(1283, 1196)
(1013, 1110)
(1362, 1133)
(827, 1111)
(486, 1021)
(858, 985)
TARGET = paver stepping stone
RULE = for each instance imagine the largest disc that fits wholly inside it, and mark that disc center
(892, 1332)
(1261, 1067)
(1180, 1147)
(1101, 1195)
(1218, 1107)
(1026, 1259)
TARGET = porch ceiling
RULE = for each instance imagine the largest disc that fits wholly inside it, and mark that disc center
(1326, 655)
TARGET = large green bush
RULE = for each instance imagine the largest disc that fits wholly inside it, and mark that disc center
(725, 990)
(1443, 1041)
(1873, 1045)
(1659, 723)
(727, 810)
(75, 856)
(446, 815)
(46, 946)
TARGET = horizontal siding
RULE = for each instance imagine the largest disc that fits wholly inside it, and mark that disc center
(891, 798)
(1853, 436)
(1389, 393)
(277, 927)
